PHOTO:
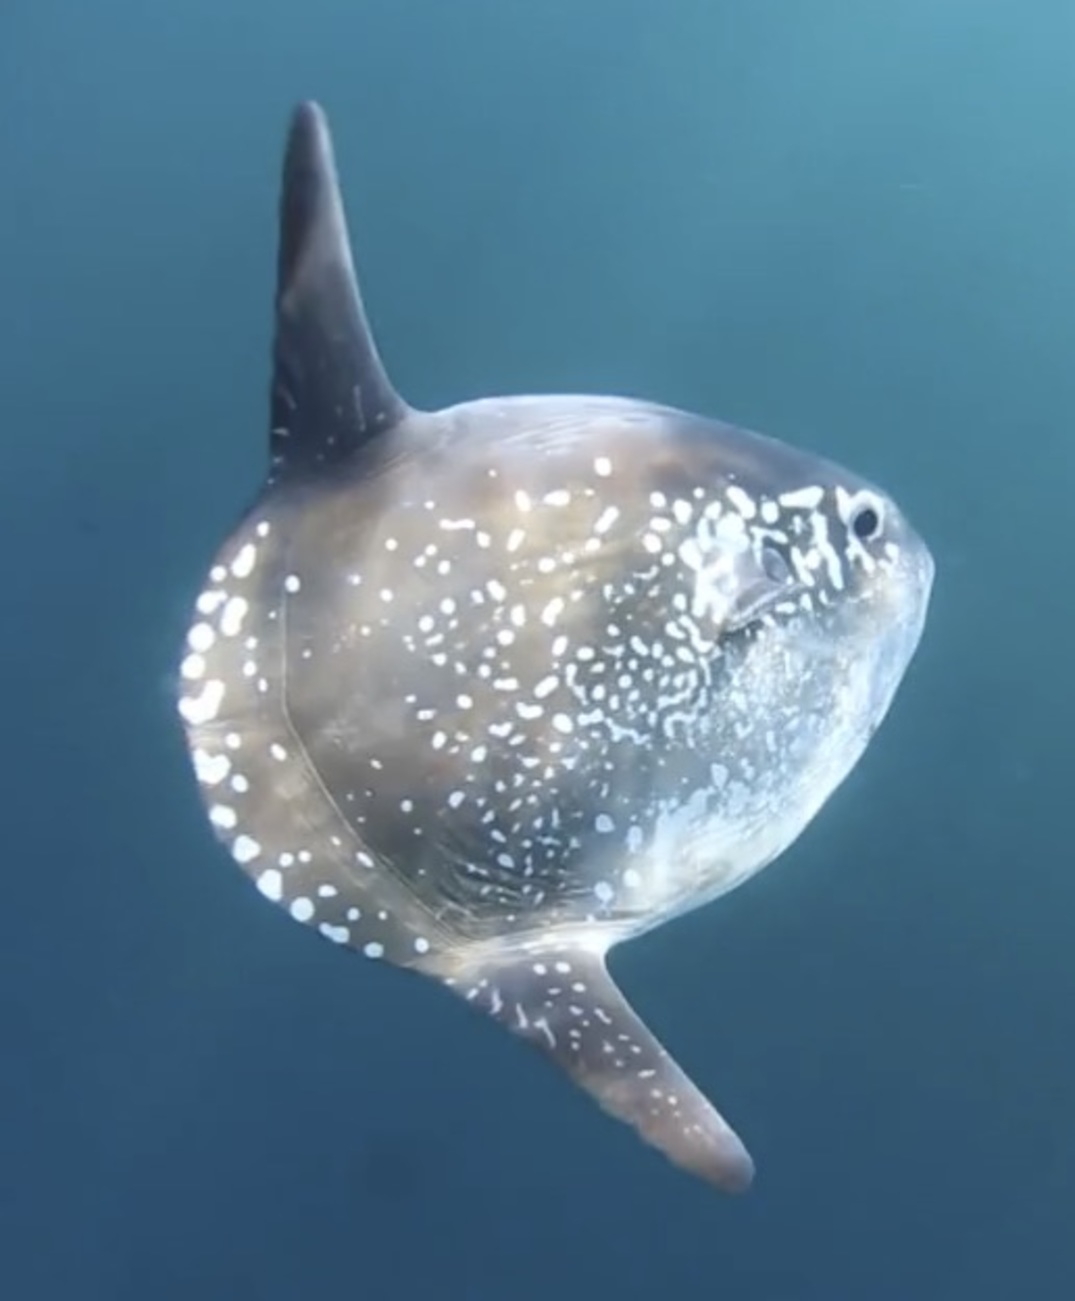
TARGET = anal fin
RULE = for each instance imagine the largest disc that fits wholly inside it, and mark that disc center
(561, 998)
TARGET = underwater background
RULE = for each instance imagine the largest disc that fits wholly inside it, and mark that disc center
(851, 225)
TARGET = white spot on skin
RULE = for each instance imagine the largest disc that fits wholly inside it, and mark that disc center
(223, 816)
(192, 668)
(231, 619)
(602, 466)
(337, 934)
(421, 944)
(211, 769)
(292, 583)
(243, 564)
(201, 638)
(271, 884)
(278, 752)
(802, 498)
(209, 602)
(302, 909)
(604, 824)
(374, 950)
(741, 501)
(604, 892)
(820, 529)
(245, 849)
(606, 519)
(552, 611)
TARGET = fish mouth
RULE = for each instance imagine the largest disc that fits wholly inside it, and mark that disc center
(908, 600)
(917, 589)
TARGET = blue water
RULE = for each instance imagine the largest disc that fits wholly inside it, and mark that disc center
(852, 225)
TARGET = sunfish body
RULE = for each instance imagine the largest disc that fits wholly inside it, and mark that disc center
(484, 692)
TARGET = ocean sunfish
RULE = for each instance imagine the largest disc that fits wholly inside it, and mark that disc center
(484, 692)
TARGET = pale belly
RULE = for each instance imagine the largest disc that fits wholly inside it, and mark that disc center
(695, 854)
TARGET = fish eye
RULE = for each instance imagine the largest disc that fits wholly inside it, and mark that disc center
(864, 516)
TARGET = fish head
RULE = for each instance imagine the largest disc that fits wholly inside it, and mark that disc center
(859, 579)
(825, 604)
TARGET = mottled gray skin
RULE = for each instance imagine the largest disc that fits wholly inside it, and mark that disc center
(486, 691)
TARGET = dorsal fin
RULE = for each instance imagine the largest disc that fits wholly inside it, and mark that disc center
(330, 393)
